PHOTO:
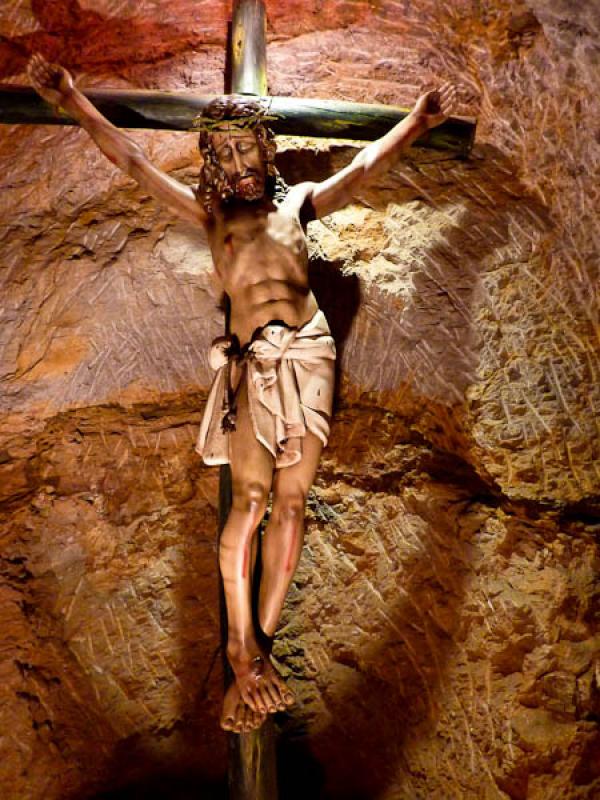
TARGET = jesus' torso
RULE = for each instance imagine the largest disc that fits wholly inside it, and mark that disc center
(260, 256)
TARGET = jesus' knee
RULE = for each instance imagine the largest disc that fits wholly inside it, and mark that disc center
(288, 509)
(248, 505)
(250, 498)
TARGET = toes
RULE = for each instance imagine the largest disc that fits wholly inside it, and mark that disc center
(240, 718)
(264, 700)
(289, 699)
(286, 696)
(246, 719)
(269, 702)
(279, 696)
(247, 697)
(251, 720)
(245, 713)
(278, 691)
(254, 718)
(251, 699)
(281, 704)
(227, 722)
(258, 720)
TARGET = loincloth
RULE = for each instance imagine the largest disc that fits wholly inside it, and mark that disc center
(289, 374)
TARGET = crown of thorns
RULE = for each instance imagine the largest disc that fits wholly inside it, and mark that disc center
(253, 115)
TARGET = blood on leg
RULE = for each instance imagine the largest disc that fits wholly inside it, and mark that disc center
(284, 535)
(259, 685)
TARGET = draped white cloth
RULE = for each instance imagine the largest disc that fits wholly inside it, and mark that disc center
(290, 377)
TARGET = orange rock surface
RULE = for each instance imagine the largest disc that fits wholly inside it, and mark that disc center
(442, 632)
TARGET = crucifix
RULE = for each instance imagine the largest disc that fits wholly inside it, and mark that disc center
(268, 411)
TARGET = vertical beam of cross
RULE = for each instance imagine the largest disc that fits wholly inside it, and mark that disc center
(252, 767)
(249, 47)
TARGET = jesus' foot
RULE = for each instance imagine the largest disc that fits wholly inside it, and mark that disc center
(237, 716)
(259, 685)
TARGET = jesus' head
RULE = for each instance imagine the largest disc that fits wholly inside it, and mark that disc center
(238, 151)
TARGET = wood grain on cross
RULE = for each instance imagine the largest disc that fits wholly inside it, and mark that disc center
(252, 768)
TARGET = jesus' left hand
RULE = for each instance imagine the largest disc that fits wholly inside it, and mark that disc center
(436, 106)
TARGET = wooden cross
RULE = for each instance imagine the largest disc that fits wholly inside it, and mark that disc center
(252, 764)
(294, 116)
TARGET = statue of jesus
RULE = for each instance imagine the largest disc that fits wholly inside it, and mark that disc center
(269, 407)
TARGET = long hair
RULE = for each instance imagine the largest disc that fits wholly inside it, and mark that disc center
(243, 114)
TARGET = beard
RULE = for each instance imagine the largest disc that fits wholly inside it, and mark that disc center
(248, 186)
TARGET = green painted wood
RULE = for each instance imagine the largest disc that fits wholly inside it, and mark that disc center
(294, 116)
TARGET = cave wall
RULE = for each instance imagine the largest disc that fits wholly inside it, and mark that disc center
(442, 630)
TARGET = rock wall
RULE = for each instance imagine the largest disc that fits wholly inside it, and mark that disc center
(442, 630)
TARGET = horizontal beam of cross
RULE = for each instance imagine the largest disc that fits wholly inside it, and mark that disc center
(294, 116)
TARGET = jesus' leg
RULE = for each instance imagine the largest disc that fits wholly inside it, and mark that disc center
(259, 686)
(236, 716)
(284, 536)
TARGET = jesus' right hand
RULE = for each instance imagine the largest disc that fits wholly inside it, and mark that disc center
(51, 81)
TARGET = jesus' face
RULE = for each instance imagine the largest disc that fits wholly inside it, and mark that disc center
(242, 161)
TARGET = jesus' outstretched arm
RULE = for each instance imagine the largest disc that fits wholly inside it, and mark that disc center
(431, 109)
(55, 85)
